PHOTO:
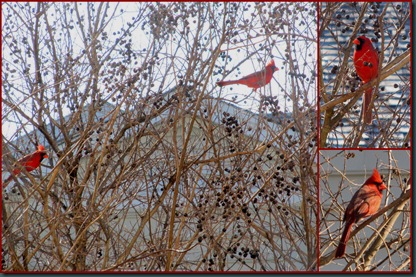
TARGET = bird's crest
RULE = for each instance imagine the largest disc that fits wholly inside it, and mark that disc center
(376, 176)
(376, 179)
(272, 65)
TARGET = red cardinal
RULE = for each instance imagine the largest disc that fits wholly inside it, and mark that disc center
(254, 80)
(29, 163)
(365, 202)
(366, 65)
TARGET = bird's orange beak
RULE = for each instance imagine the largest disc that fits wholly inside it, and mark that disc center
(356, 41)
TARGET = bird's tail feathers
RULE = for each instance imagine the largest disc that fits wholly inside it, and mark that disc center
(227, 83)
(367, 115)
(344, 239)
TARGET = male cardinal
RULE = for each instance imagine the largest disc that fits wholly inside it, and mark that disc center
(254, 80)
(29, 163)
(366, 65)
(365, 202)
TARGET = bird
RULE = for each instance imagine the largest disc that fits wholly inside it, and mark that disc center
(29, 163)
(366, 65)
(254, 80)
(365, 202)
